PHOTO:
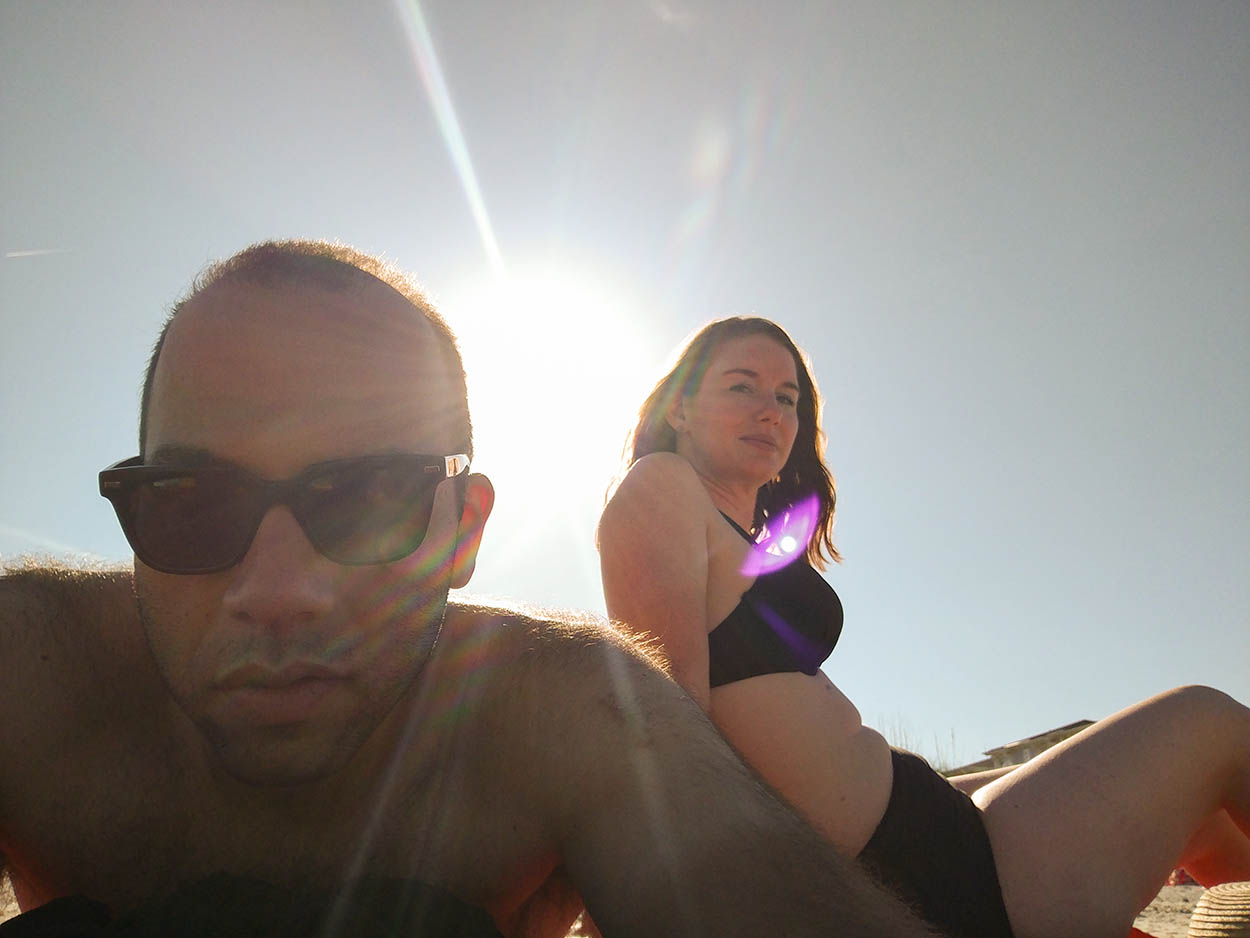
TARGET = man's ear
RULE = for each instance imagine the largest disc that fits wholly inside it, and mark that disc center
(479, 499)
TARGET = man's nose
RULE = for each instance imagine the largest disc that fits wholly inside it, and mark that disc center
(282, 581)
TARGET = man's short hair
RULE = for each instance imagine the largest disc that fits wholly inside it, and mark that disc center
(336, 268)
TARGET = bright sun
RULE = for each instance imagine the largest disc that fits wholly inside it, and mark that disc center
(558, 362)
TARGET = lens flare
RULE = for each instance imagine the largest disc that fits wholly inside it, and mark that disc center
(784, 542)
(436, 91)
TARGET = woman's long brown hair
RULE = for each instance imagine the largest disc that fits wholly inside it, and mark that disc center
(804, 474)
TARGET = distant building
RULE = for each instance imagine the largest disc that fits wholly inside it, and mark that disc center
(1022, 750)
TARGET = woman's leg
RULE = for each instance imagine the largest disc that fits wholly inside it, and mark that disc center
(974, 780)
(1085, 834)
(1218, 852)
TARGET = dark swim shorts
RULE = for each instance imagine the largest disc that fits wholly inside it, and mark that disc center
(244, 908)
(932, 851)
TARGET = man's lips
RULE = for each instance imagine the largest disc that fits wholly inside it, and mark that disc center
(262, 677)
(292, 694)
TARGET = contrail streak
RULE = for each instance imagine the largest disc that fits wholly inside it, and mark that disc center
(39, 252)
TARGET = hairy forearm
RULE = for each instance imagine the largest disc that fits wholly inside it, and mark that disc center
(729, 858)
(688, 839)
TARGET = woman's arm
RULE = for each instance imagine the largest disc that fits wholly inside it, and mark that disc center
(973, 780)
(653, 554)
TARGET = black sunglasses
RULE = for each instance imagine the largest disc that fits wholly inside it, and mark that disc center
(367, 510)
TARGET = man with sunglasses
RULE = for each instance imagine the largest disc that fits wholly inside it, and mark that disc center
(293, 731)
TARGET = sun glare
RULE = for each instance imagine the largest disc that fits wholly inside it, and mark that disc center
(558, 361)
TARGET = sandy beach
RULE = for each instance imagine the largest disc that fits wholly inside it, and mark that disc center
(1168, 915)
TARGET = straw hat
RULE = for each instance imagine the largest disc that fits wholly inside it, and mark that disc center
(1222, 912)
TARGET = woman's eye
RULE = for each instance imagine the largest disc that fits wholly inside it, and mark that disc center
(785, 400)
(741, 387)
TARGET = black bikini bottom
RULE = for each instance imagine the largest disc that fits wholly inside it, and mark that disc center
(932, 851)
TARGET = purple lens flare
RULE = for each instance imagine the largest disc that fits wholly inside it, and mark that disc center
(785, 541)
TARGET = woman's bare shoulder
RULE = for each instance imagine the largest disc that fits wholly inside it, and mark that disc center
(659, 480)
(662, 461)
(657, 486)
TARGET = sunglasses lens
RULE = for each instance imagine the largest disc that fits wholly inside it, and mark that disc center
(195, 522)
(360, 511)
(368, 513)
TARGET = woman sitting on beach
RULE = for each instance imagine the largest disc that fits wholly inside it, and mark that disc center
(726, 485)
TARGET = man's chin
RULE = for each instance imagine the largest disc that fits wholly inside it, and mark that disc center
(283, 775)
(267, 760)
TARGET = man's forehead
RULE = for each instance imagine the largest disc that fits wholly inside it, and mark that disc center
(367, 316)
(356, 368)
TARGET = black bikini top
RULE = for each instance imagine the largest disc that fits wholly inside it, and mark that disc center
(789, 620)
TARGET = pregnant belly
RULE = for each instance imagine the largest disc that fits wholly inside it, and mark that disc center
(806, 739)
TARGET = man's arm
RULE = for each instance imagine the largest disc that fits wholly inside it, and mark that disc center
(662, 827)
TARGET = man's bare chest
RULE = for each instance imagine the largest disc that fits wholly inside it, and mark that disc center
(129, 812)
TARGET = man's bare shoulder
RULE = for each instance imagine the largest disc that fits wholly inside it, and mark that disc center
(71, 649)
(78, 697)
(61, 581)
(65, 609)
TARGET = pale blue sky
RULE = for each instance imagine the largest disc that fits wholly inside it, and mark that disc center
(1013, 237)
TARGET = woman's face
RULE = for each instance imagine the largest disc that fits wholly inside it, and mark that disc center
(739, 426)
